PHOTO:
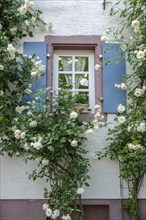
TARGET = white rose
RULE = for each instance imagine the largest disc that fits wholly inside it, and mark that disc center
(22, 135)
(107, 31)
(140, 54)
(142, 127)
(121, 108)
(26, 147)
(139, 92)
(17, 132)
(27, 91)
(13, 30)
(96, 127)
(103, 38)
(98, 108)
(97, 115)
(48, 212)
(45, 206)
(20, 109)
(123, 86)
(80, 191)
(56, 212)
(74, 143)
(37, 145)
(97, 66)
(1, 67)
(121, 119)
(45, 162)
(73, 115)
(33, 124)
(27, 23)
(135, 24)
(84, 82)
(29, 113)
(130, 146)
(89, 131)
(11, 49)
(66, 217)
(33, 74)
(1, 92)
(22, 10)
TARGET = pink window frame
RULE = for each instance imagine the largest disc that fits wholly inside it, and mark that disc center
(76, 43)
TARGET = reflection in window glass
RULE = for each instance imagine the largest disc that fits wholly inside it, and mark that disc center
(78, 78)
(81, 64)
(64, 79)
(65, 63)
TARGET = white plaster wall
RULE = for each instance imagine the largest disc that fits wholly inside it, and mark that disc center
(69, 17)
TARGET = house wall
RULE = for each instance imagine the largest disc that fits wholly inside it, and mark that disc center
(69, 17)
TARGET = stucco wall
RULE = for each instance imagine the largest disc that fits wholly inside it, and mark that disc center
(69, 17)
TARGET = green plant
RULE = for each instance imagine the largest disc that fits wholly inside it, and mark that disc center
(127, 140)
(81, 98)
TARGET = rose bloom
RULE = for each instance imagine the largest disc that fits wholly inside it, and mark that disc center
(123, 86)
(121, 119)
(139, 92)
(80, 191)
(45, 162)
(84, 82)
(97, 66)
(135, 24)
(98, 108)
(33, 124)
(1, 67)
(96, 127)
(89, 131)
(74, 143)
(103, 38)
(66, 217)
(48, 212)
(121, 108)
(73, 115)
(140, 54)
(45, 206)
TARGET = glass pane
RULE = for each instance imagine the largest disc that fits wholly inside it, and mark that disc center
(81, 81)
(64, 80)
(82, 97)
(81, 64)
(65, 63)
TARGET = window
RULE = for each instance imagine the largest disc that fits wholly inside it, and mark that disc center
(86, 51)
(70, 67)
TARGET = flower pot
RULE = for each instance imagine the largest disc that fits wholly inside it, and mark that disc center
(79, 106)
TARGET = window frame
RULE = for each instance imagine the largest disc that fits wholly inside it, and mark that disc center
(90, 72)
(76, 43)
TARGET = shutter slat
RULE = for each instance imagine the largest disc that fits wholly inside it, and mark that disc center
(40, 50)
(114, 69)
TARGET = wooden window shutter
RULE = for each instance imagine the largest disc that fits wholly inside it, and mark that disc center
(114, 69)
(40, 50)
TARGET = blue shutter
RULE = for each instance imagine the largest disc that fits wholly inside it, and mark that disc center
(40, 50)
(114, 68)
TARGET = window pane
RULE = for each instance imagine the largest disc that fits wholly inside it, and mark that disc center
(65, 63)
(81, 64)
(64, 79)
(82, 97)
(81, 80)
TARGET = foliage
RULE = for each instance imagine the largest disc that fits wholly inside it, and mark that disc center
(18, 19)
(47, 128)
(127, 140)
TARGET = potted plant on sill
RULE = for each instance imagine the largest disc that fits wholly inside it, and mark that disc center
(81, 102)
